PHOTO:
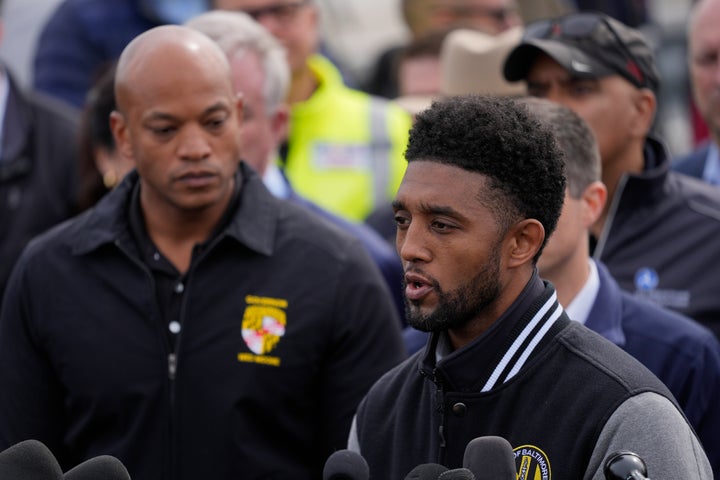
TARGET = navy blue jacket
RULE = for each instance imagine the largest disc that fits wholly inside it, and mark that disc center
(80, 38)
(679, 351)
(693, 163)
(660, 238)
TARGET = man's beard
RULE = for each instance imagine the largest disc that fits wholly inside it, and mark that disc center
(458, 307)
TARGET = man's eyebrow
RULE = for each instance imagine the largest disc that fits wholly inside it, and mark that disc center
(429, 208)
(439, 209)
(159, 115)
(155, 115)
(219, 106)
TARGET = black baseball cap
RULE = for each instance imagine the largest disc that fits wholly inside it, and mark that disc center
(589, 45)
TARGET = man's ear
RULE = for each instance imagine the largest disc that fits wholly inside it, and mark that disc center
(645, 105)
(524, 240)
(240, 107)
(594, 198)
(121, 134)
(280, 123)
(315, 15)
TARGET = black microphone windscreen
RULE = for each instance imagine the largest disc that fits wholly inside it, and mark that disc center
(490, 458)
(426, 471)
(346, 465)
(29, 460)
(103, 467)
(457, 474)
(624, 465)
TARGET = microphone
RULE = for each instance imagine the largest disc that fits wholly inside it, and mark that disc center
(426, 471)
(29, 460)
(625, 465)
(490, 458)
(103, 467)
(457, 474)
(346, 465)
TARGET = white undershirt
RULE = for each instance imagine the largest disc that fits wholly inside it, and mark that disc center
(275, 182)
(711, 172)
(580, 306)
(4, 89)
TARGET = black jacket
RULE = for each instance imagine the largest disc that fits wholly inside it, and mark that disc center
(546, 384)
(38, 171)
(286, 323)
(660, 240)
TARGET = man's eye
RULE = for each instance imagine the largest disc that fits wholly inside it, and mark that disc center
(536, 90)
(582, 88)
(216, 123)
(708, 59)
(163, 131)
(441, 226)
(401, 221)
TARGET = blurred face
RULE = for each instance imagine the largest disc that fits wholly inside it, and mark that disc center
(606, 104)
(419, 76)
(490, 16)
(449, 244)
(704, 52)
(260, 132)
(182, 132)
(294, 22)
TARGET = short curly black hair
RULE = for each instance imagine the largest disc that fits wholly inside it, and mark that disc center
(499, 138)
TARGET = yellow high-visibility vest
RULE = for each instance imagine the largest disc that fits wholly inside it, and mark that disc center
(345, 147)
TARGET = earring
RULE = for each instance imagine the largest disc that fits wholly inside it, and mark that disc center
(110, 179)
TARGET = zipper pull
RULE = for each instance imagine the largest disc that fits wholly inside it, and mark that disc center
(172, 366)
(441, 433)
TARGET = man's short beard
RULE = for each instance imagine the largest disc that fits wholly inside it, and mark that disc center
(455, 309)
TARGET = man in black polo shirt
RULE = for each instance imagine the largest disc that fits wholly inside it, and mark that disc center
(191, 324)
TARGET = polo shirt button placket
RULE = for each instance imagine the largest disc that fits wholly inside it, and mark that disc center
(459, 409)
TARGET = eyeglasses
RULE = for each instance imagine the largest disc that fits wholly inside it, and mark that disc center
(586, 26)
(500, 15)
(282, 12)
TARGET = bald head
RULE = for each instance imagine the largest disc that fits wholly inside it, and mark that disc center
(166, 55)
(704, 61)
(698, 9)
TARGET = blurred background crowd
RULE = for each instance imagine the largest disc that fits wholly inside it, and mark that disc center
(356, 33)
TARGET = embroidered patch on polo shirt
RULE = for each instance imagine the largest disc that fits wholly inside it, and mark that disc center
(263, 326)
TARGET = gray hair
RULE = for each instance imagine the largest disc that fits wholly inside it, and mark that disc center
(575, 139)
(236, 33)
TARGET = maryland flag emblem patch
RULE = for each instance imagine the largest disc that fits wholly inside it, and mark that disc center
(263, 326)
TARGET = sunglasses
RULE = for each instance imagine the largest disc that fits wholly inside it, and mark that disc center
(465, 11)
(282, 12)
(587, 26)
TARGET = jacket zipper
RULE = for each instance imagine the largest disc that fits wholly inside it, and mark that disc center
(440, 407)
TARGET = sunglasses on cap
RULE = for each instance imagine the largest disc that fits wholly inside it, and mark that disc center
(501, 14)
(282, 12)
(588, 27)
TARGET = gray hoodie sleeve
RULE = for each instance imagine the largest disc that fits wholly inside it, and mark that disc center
(653, 428)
